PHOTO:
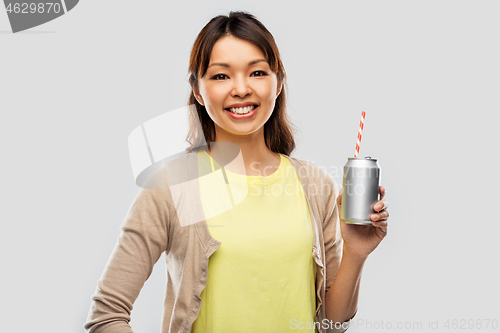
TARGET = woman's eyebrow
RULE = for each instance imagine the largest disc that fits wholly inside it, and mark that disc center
(223, 64)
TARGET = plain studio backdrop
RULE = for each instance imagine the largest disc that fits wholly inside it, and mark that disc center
(426, 73)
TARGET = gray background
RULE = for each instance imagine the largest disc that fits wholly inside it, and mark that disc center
(426, 73)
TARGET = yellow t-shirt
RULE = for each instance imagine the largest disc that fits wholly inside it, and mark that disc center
(262, 278)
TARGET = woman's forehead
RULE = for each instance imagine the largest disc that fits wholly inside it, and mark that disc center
(230, 49)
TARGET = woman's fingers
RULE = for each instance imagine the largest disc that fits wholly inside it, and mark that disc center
(380, 218)
(382, 192)
(381, 205)
(380, 224)
(383, 215)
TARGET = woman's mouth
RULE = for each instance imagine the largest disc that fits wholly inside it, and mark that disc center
(242, 113)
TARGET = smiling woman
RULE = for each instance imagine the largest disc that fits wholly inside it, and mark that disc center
(235, 63)
(269, 252)
(238, 90)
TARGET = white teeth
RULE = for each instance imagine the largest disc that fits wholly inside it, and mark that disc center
(244, 110)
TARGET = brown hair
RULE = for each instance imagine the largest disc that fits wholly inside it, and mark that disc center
(278, 129)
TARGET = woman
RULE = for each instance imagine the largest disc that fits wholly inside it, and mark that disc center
(276, 258)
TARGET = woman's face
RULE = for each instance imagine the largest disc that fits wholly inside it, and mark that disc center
(239, 89)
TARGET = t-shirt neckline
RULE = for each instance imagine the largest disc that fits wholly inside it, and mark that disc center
(254, 180)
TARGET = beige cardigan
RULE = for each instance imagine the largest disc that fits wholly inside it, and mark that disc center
(160, 220)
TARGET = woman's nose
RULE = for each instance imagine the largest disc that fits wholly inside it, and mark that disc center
(241, 87)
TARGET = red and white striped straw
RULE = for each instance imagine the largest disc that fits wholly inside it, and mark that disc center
(360, 132)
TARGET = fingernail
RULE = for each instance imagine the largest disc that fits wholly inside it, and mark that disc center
(374, 217)
(377, 207)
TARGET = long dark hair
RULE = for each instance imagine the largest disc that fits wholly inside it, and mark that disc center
(278, 129)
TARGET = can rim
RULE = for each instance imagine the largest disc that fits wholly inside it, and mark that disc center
(362, 159)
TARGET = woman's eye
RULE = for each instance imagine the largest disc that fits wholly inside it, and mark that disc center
(259, 73)
(219, 77)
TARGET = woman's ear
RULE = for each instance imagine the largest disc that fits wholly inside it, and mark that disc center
(280, 86)
(197, 96)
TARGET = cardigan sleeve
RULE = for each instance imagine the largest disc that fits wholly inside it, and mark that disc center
(333, 244)
(142, 240)
(331, 234)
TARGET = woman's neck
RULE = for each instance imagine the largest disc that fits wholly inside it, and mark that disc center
(255, 159)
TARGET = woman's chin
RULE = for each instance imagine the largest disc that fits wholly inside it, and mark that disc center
(241, 130)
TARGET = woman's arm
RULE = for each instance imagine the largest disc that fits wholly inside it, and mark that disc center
(358, 241)
(342, 297)
(143, 238)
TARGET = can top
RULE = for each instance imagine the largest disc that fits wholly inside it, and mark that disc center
(368, 158)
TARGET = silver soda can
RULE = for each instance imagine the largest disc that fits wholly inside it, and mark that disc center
(360, 190)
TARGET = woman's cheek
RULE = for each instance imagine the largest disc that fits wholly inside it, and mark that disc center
(217, 96)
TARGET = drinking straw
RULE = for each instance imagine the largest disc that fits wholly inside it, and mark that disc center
(360, 132)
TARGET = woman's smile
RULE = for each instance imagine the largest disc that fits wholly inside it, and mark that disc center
(242, 110)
